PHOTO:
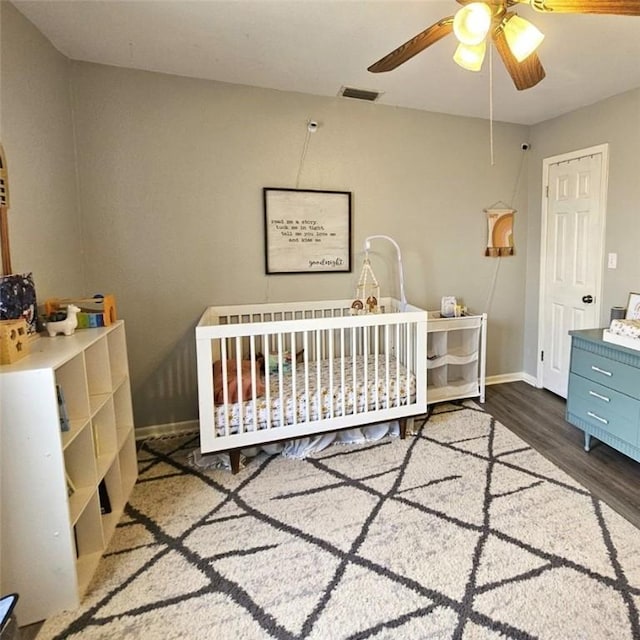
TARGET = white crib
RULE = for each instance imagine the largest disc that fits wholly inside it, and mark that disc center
(291, 370)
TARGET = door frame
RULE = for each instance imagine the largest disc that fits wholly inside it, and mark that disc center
(604, 178)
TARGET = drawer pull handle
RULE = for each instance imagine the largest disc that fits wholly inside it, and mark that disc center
(602, 371)
(599, 396)
(593, 415)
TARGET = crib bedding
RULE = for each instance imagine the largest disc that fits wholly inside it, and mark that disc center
(362, 387)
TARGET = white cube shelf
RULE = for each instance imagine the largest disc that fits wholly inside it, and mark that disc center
(54, 531)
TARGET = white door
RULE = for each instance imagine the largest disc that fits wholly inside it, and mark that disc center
(572, 257)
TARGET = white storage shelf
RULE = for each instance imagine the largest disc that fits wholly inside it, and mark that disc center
(52, 539)
(456, 351)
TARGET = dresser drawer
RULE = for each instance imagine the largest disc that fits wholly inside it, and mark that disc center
(607, 372)
(604, 408)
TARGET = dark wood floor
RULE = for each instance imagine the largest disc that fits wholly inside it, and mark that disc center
(537, 416)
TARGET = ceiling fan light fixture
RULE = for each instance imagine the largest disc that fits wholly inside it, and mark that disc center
(522, 37)
(470, 57)
(471, 23)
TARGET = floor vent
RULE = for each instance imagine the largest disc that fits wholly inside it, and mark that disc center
(359, 94)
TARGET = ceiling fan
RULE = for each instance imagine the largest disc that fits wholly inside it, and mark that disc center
(515, 38)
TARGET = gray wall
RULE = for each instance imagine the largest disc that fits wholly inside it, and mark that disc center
(45, 227)
(166, 210)
(171, 172)
(615, 121)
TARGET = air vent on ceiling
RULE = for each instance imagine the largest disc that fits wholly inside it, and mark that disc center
(359, 94)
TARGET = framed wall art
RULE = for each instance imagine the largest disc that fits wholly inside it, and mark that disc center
(307, 231)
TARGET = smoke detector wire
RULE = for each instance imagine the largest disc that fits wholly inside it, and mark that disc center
(303, 155)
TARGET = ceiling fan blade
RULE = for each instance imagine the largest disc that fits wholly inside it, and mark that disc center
(525, 74)
(417, 44)
(609, 7)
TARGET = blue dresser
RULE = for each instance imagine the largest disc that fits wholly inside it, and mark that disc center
(604, 392)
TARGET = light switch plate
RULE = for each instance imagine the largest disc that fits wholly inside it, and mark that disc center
(612, 263)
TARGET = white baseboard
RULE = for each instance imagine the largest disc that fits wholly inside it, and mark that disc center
(531, 380)
(167, 430)
(511, 377)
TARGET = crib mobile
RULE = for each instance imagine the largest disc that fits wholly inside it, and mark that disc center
(368, 289)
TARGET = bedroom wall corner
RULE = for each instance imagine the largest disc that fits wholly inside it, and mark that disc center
(37, 135)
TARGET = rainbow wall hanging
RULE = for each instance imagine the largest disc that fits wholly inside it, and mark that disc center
(500, 232)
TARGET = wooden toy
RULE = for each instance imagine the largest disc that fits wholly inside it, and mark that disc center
(367, 291)
(99, 311)
(14, 343)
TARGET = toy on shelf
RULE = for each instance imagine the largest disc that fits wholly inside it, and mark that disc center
(368, 290)
(99, 311)
(14, 343)
(66, 326)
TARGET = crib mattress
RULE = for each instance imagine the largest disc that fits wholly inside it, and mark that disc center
(392, 386)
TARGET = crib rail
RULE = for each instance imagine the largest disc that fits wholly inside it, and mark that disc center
(297, 367)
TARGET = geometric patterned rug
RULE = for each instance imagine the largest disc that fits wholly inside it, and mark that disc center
(461, 531)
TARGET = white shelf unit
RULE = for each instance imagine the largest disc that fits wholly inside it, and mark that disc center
(51, 541)
(456, 352)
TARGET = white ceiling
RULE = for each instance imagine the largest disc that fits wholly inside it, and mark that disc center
(318, 46)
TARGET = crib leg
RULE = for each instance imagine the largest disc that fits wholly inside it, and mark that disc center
(403, 428)
(234, 458)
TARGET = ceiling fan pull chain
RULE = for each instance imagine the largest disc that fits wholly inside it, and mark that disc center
(491, 102)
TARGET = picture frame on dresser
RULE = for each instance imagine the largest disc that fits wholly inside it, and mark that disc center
(633, 307)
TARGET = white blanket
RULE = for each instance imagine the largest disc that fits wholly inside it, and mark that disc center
(630, 328)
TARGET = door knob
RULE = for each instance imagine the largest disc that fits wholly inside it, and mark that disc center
(587, 299)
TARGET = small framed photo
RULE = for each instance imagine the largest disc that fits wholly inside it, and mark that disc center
(633, 307)
(307, 231)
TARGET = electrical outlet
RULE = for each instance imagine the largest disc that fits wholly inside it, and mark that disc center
(612, 263)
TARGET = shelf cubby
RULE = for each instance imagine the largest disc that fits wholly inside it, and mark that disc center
(123, 412)
(105, 442)
(118, 357)
(128, 463)
(89, 543)
(72, 379)
(98, 369)
(114, 502)
(456, 349)
(79, 461)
